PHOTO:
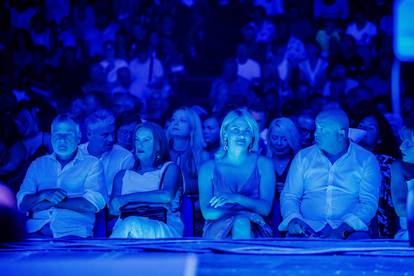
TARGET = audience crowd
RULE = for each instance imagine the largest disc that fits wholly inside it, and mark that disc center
(216, 119)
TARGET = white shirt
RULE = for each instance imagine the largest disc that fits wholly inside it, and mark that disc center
(362, 36)
(140, 74)
(113, 161)
(321, 193)
(249, 70)
(112, 75)
(314, 75)
(81, 177)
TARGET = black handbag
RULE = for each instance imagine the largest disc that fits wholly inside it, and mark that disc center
(149, 210)
(155, 212)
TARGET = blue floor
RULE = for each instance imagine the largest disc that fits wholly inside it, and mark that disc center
(206, 257)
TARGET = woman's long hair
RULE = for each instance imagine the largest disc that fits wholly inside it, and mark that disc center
(388, 144)
(160, 150)
(196, 143)
(230, 118)
(292, 134)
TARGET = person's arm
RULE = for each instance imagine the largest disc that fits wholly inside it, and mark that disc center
(290, 198)
(260, 206)
(205, 175)
(78, 204)
(95, 195)
(42, 200)
(128, 162)
(171, 182)
(114, 205)
(14, 158)
(367, 206)
(399, 189)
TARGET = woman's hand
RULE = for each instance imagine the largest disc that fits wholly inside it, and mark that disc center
(116, 205)
(253, 217)
(220, 200)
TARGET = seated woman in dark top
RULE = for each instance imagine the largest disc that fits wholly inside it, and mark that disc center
(283, 141)
(402, 178)
(32, 143)
(185, 138)
(186, 143)
(211, 134)
(379, 139)
(237, 188)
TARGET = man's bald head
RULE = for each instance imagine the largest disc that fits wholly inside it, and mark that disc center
(332, 131)
(337, 117)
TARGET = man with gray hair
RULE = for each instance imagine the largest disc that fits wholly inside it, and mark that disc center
(332, 187)
(63, 190)
(100, 128)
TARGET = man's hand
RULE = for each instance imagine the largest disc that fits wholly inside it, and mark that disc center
(220, 200)
(53, 195)
(342, 232)
(115, 205)
(43, 205)
(299, 227)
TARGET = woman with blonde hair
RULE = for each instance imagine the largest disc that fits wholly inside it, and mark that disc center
(283, 142)
(185, 137)
(237, 188)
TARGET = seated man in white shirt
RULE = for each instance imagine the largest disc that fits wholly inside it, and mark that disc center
(332, 187)
(65, 189)
(100, 128)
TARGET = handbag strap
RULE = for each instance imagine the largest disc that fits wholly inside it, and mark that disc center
(162, 173)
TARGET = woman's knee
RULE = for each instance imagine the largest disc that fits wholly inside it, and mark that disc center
(241, 226)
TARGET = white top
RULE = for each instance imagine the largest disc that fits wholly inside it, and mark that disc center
(319, 192)
(362, 36)
(133, 182)
(249, 70)
(81, 177)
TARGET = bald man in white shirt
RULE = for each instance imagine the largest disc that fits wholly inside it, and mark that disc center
(332, 187)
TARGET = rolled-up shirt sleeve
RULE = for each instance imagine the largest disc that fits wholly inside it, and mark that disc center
(128, 162)
(29, 185)
(367, 206)
(292, 193)
(95, 189)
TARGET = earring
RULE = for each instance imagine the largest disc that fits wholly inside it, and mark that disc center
(226, 142)
(250, 148)
(157, 157)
